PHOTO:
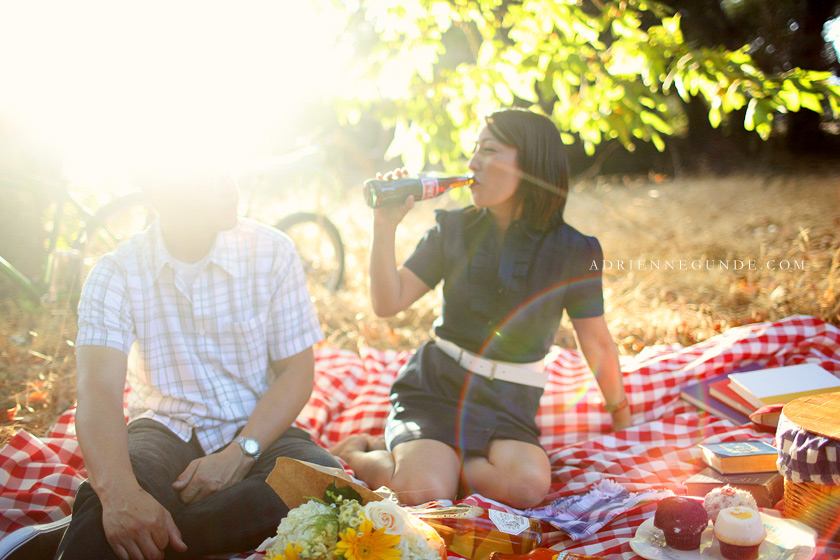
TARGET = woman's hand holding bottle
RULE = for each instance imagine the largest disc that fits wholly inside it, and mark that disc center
(390, 216)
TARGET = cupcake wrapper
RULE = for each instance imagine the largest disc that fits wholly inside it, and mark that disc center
(738, 552)
(683, 541)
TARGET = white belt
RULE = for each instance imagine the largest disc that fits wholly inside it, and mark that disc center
(532, 374)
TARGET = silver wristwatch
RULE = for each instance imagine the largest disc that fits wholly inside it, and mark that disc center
(250, 446)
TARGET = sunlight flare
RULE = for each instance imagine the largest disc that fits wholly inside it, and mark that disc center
(111, 83)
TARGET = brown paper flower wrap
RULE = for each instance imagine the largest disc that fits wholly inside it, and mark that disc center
(333, 518)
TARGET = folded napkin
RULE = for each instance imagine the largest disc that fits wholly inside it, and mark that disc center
(581, 515)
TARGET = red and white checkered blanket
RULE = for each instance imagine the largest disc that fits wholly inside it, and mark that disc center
(38, 477)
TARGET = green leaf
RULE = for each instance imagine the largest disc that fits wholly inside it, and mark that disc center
(656, 122)
(714, 112)
(811, 101)
(658, 142)
(520, 83)
(834, 102)
(550, 52)
(680, 85)
(749, 116)
(791, 99)
(714, 117)
(332, 494)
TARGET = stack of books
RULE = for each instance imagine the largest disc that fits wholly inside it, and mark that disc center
(734, 396)
(748, 465)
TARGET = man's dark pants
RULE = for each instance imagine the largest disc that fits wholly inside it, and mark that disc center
(236, 519)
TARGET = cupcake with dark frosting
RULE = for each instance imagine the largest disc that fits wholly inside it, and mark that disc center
(682, 520)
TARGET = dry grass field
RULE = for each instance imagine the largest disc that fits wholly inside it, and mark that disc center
(685, 260)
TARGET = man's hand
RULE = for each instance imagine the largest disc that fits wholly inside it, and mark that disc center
(138, 527)
(211, 473)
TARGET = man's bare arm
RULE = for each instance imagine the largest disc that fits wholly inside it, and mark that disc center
(135, 524)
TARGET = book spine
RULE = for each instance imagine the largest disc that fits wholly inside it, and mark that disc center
(747, 396)
(731, 402)
(720, 410)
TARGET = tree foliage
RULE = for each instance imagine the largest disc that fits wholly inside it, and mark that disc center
(619, 69)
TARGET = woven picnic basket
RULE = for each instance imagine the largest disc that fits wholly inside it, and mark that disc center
(808, 437)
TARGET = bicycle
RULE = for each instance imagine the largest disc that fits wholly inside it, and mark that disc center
(262, 182)
(74, 242)
(316, 237)
(69, 256)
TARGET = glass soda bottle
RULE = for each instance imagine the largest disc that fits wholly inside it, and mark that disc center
(474, 532)
(543, 554)
(392, 192)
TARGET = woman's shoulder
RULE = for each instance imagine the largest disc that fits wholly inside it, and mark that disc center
(462, 217)
(567, 236)
(568, 231)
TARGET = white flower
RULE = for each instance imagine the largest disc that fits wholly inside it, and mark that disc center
(350, 514)
(415, 547)
(312, 530)
(313, 525)
(386, 513)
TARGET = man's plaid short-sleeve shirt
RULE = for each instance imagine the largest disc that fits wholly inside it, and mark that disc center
(198, 358)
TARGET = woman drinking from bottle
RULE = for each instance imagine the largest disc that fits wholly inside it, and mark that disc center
(464, 406)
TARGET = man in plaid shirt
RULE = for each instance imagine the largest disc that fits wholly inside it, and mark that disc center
(208, 318)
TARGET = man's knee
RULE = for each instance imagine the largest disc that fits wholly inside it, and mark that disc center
(85, 497)
(297, 444)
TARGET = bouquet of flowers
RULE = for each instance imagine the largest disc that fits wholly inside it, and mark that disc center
(339, 526)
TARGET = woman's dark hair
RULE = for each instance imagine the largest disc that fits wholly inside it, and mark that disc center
(544, 185)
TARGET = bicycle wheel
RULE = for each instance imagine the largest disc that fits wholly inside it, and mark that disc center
(319, 245)
(112, 224)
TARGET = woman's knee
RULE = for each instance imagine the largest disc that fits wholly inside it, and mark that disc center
(425, 470)
(418, 490)
(525, 491)
(514, 473)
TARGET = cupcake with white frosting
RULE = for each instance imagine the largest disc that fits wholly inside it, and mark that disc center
(727, 496)
(739, 532)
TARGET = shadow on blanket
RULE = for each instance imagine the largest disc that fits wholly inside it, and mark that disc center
(40, 476)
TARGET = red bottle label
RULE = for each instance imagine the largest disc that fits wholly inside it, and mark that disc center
(430, 187)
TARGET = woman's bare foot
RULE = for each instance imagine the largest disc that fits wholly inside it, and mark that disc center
(368, 457)
(375, 443)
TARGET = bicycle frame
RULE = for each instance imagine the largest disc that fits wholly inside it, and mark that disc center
(20, 279)
(318, 240)
(327, 258)
(45, 289)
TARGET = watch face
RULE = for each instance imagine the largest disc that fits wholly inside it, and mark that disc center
(251, 446)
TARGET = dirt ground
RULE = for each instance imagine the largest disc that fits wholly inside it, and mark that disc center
(683, 261)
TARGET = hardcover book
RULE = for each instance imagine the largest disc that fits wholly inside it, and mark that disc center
(783, 384)
(767, 488)
(698, 395)
(723, 392)
(749, 456)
